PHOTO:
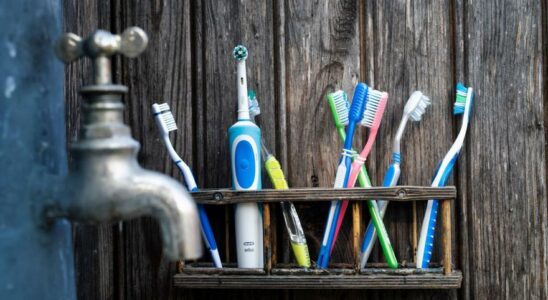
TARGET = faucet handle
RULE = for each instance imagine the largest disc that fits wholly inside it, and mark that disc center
(132, 42)
(99, 46)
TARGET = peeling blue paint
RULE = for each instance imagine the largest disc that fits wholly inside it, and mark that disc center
(35, 263)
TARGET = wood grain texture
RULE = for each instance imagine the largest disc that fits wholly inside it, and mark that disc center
(408, 48)
(223, 26)
(503, 62)
(94, 246)
(161, 74)
(399, 193)
(321, 44)
(299, 51)
(372, 281)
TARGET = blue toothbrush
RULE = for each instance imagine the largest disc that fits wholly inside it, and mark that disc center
(166, 123)
(245, 151)
(462, 106)
(355, 116)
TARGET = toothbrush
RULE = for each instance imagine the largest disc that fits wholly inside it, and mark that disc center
(166, 123)
(376, 104)
(245, 144)
(277, 177)
(462, 106)
(339, 108)
(354, 117)
(414, 109)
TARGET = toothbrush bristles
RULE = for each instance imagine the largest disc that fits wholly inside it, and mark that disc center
(460, 102)
(341, 106)
(417, 113)
(166, 116)
(374, 98)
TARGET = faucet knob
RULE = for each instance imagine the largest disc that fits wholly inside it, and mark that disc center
(99, 46)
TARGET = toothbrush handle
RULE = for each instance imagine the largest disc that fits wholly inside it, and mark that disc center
(390, 179)
(428, 228)
(207, 232)
(354, 171)
(323, 256)
(293, 224)
(276, 174)
(388, 251)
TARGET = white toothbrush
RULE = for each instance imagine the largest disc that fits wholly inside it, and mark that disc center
(413, 110)
(166, 123)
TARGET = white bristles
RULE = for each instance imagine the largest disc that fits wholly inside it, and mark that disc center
(162, 107)
(169, 121)
(417, 113)
(341, 106)
(164, 118)
(373, 99)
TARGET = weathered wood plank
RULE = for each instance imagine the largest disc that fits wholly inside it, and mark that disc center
(321, 44)
(408, 48)
(399, 193)
(94, 246)
(223, 25)
(163, 73)
(504, 63)
(371, 281)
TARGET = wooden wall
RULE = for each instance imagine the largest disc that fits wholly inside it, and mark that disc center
(299, 51)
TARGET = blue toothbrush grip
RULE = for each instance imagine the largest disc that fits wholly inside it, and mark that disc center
(206, 227)
(432, 218)
(245, 150)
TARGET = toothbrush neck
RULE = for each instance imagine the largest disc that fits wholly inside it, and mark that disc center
(399, 134)
(350, 133)
(243, 105)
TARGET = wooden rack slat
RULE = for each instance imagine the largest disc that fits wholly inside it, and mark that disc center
(380, 280)
(399, 193)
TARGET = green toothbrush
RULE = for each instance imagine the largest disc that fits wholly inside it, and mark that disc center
(338, 104)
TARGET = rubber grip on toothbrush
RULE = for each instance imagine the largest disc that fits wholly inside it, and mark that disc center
(275, 172)
(430, 219)
(277, 177)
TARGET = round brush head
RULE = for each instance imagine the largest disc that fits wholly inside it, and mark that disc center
(240, 53)
(416, 106)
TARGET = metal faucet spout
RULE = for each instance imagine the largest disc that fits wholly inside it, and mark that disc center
(106, 183)
(165, 199)
(110, 198)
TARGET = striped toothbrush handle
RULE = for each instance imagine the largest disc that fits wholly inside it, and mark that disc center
(428, 228)
(325, 249)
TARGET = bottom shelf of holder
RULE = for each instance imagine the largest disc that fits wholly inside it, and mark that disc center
(318, 279)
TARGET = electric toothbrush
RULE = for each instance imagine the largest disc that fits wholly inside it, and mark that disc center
(245, 147)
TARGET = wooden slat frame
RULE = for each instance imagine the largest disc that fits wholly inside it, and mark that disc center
(338, 278)
(398, 193)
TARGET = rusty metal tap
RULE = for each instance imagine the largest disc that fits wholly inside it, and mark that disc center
(105, 182)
